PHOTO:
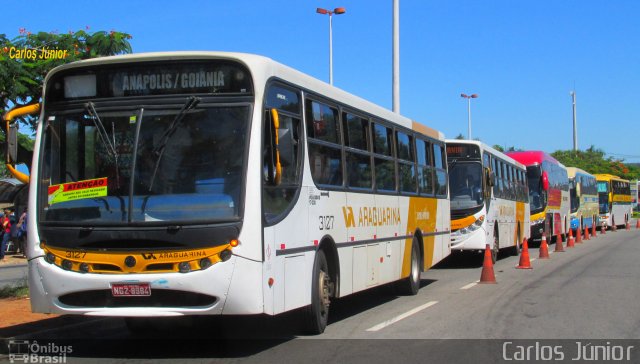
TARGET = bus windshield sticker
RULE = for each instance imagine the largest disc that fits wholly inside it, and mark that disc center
(78, 190)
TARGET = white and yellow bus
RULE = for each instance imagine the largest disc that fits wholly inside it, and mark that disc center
(489, 198)
(199, 183)
(615, 200)
(583, 193)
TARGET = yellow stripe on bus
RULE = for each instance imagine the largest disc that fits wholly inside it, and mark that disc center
(113, 262)
(422, 215)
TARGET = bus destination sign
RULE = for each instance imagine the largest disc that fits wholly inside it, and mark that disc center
(465, 151)
(149, 79)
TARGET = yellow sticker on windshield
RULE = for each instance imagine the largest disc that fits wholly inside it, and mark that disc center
(89, 188)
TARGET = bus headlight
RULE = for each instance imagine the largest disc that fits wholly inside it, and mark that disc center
(184, 267)
(225, 255)
(50, 258)
(205, 263)
(66, 264)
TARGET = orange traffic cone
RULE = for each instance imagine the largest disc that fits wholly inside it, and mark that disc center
(586, 234)
(637, 224)
(487, 275)
(628, 226)
(559, 246)
(570, 241)
(525, 263)
(544, 248)
(603, 229)
(593, 230)
(578, 235)
(614, 227)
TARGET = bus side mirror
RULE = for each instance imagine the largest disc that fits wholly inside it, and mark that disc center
(12, 144)
(545, 181)
(274, 168)
(491, 177)
(11, 150)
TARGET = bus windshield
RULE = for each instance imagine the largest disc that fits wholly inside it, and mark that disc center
(573, 192)
(133, 165)
(537, 198)
(466, 185)
(603, 196)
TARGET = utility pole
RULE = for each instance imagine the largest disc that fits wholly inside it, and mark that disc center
(575, 123)
(396, 56)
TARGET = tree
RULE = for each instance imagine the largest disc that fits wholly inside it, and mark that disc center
(26, 60)
(593, 160)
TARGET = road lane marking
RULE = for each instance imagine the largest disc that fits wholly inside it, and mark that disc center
(392, 321)
(469, 285)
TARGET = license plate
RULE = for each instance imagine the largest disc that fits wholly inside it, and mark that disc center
(130, 289)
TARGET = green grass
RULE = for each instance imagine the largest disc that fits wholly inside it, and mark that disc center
(16, 291)
(636, 215)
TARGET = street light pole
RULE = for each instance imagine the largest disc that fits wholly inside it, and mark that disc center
(396, 57)
(575, 122)
(336, 11)
(469, 97)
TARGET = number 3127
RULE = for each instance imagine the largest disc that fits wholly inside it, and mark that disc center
(326, 222)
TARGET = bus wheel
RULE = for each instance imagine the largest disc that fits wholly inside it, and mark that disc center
(518, 246)
(317, 313)
(496, 246)
(411, 285)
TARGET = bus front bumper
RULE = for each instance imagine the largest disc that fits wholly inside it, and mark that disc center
(474, 240)
(204, 292)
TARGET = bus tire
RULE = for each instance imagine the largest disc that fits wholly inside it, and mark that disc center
(317, 314)
(496, 246)
(411, 285)
(518, 247)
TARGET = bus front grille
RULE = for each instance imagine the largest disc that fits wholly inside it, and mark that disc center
(158, 298)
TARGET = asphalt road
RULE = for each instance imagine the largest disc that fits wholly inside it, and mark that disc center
(589, 292)
(11, 275)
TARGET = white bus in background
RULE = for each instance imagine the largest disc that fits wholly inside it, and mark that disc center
(489, 198)
(208, 183)
(614, 200)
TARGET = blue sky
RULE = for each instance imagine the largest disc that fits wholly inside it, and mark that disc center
(521, 57)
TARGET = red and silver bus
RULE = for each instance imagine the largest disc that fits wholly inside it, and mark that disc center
(548, 192)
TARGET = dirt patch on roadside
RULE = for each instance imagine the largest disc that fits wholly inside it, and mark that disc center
(17, 311)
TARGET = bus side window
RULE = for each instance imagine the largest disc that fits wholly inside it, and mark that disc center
(325, 150)
(425, 171)
(441, 173)
(358, 159)
(277, 199)
(384, 164)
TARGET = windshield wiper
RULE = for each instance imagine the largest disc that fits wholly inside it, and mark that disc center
(158, 150)
(104, 137)
(102, 132)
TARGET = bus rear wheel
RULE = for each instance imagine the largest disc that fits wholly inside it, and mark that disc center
(496, 246)
(518, 247)
(317, 314)
(411, 285)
